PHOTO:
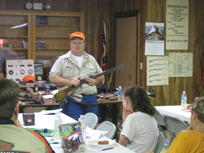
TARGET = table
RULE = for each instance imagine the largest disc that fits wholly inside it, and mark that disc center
(114, 103)
(47, 121)
(100, 104)
(175, 110)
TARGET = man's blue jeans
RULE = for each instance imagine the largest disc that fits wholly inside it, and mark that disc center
(74, 110)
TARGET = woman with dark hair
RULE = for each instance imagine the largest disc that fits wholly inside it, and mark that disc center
(139, 128)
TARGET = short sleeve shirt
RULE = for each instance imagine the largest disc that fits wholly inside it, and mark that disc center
(142, 131)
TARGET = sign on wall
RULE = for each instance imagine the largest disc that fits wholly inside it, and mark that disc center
(157, 70)
(180, 64)
(177, 24)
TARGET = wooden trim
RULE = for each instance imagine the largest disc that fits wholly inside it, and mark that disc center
(34, 36)
(138, 54)
(82, 23)
(126, 14)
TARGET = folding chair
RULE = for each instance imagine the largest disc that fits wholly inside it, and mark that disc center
(91, 120)
(174, 125)
(109, 127)
(159, 143)
(160, 122)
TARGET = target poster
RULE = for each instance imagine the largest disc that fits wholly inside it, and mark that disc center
(17, 69)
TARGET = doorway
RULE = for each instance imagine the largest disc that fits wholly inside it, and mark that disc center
(126, 48)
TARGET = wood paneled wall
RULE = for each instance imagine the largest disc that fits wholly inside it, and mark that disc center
(97, 11)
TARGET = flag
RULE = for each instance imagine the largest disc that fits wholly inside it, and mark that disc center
(103, 56)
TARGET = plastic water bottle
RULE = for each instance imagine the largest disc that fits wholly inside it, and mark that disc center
(120, 94)
(184, 99)
(47, 90)
(58, 121)
(83, 127)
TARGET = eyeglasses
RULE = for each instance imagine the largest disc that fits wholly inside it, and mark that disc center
(79, 44)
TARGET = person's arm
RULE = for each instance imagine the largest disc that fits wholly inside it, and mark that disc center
(126, 113)
(148, 151)
(59, 81)
(123, 140)
(96, 81)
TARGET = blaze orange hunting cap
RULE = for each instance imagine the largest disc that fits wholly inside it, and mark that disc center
(77, 35)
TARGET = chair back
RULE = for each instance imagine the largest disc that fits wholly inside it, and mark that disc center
(159, 118)
(174, 125)
(91, 120)
(159, 143)
(160, 121)
(109, 127)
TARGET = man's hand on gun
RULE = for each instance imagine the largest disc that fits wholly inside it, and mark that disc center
(75, 82)
(90, 81)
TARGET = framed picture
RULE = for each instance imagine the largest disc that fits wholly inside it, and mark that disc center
(47, 61)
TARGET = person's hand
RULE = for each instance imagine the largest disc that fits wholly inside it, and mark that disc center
(125, 113)
(148, 151)
(75, 82)
(90, 81)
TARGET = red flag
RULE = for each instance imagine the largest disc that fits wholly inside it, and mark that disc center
(103, 57)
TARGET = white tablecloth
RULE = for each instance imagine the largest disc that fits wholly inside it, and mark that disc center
(47, 121)
(175, 110)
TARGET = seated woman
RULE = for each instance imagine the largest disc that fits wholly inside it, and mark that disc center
(139, 128)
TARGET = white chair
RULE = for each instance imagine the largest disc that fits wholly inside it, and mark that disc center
(174, 125)
(91, 120)
(109, 127)
(160, 121)
(159, 143)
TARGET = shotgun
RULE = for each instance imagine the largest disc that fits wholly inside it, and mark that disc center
(63, 93)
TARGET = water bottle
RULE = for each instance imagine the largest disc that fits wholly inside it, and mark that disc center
(184, 99)
(83, 127)
(120, 94)
(58, 121)
(47, 90)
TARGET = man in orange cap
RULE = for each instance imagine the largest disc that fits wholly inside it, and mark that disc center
(68, 69)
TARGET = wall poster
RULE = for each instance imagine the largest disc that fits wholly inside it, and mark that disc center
(180, 64)
(157, 70)
(177, 24)
(154, 38)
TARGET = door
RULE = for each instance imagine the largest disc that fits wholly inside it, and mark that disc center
(126, 51)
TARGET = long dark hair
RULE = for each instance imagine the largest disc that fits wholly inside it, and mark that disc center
(139, 99)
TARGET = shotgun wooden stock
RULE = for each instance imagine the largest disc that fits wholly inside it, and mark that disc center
(63, 93)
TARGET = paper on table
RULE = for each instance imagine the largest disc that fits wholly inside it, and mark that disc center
(48, 96)
(46, 112)
(94, 134)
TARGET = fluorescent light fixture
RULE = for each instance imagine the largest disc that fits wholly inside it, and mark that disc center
(19, 26)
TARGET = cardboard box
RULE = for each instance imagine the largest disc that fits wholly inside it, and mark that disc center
(29, 119)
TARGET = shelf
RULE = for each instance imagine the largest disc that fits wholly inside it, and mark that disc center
(56, 32)
(54, 37)
(19, 48)
(13, 36)
(8, 25)
(47, 25)
(54, 49)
